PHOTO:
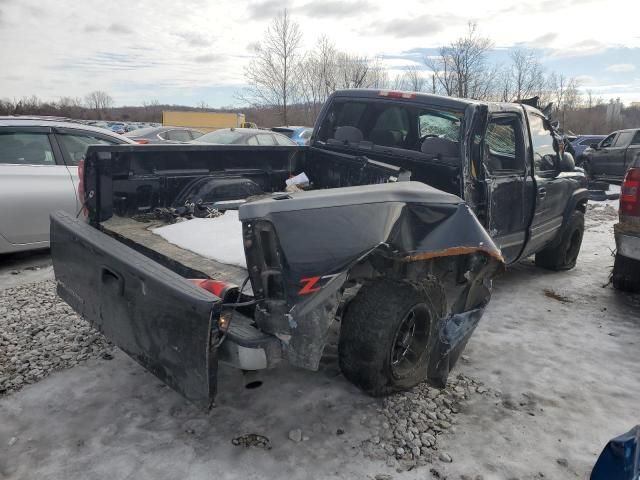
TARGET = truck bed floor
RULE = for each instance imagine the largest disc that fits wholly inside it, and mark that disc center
(138, 235)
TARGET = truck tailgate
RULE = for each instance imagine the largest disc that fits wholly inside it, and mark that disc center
(157, 317)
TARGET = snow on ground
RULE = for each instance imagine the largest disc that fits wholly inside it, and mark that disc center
(217, 238)
(556, 351)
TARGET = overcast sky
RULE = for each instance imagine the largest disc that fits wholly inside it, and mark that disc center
(185, 52)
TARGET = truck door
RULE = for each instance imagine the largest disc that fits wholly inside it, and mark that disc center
(615, 166)
(552, 188)
(600, 157)
(508, 189)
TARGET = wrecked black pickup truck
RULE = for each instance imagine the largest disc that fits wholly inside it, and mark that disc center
(403, 267)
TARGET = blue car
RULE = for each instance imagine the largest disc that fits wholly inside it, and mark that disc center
(582, 142)
(300, 135)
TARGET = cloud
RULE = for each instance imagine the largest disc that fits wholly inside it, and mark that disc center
(584, 80)
(543, 41)
(118, 28)
(208, 58)
(195, 39)
(421, 26)
(266, 9)
(580, 49)
(621, 68)
(335, 8)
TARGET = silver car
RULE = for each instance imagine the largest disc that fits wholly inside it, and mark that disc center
(39, 174)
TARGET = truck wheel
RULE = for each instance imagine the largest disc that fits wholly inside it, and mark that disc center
(626, 274)
(564, 254)
(387, 333)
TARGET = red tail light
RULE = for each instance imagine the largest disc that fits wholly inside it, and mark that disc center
(141, 141)
(386, 93)
(218, 288)
(630, 194)
(81, 192)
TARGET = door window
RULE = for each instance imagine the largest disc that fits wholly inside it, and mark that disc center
(636, 138)
(624, 139)
(504, 145)
(252, 141)
(607, 142)
(195, 134)
(544, 153)
(75, 145)
(26, 149)
(265, 140)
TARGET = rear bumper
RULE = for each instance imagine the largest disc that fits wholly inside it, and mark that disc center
(628, 245)
(247, 348)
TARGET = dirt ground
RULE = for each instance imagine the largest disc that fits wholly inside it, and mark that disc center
(557, 351)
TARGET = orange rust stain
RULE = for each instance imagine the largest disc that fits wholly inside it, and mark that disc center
(449, 252)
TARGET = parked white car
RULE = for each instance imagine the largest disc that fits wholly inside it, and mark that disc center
(39, 174)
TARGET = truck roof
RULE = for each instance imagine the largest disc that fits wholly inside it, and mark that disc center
(453, 103)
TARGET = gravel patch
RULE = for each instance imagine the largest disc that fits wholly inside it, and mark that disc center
(413, 420)
(40, 334)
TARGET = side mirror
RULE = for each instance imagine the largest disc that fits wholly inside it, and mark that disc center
(594, 146)
(566, 163)
(555, 124)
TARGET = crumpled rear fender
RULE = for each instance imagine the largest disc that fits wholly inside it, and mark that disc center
(300, 258)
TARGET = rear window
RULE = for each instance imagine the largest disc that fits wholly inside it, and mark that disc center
(26, 149)
(396, 125)
(224, 137)
(284, 131)
(141, 132)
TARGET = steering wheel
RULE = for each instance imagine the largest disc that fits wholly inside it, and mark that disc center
(424, 137)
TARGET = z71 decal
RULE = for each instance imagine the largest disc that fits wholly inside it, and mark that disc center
(313, 284)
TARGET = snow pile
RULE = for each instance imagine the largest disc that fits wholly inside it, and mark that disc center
(217, 238)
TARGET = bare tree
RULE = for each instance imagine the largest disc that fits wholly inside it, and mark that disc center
(271, 74)
(413, 79)
(461, 68)
(99, 101)
(526, 74)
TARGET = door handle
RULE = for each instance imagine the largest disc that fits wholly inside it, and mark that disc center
(542, 192)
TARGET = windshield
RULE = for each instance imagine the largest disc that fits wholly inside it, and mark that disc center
(402, 126)
(224, 137)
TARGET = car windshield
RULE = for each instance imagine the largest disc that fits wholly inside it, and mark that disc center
(390, 124)
(224, 137)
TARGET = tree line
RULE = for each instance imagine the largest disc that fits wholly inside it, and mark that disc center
(288, 85)
(282, 75)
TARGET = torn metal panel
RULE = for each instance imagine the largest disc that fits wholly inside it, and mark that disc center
(300, 257)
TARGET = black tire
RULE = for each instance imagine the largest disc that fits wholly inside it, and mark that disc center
(563, 254)
(379, 351)
(626, 274)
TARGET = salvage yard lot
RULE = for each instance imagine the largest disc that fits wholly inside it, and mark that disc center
(550, 375)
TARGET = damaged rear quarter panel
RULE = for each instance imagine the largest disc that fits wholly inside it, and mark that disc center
(322, 236)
